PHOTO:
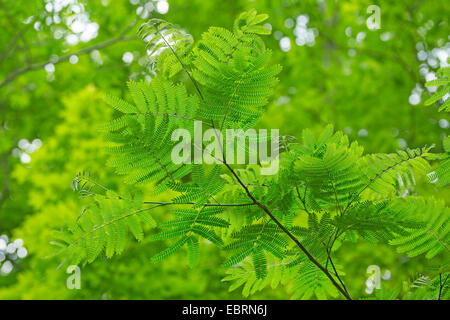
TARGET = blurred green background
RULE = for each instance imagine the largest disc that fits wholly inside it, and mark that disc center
(57, 58)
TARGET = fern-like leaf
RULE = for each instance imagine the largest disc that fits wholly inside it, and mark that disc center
(103, 227)
(434, 237)
(311, 282)
(203, 189)
(244, 276)
(255, 240)
(142, 140)
(188, 226)
(232, 69)
(168, 46)
(444, 83)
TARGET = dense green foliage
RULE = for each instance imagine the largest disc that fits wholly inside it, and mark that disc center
(343, 199)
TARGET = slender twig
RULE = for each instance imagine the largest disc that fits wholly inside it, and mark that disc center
(15, 74)
(303, 200)
(327, 245)
(12, 44)
(442, 284)
(170, 115)
(335, 270)
(330, 246)
(87, 193)
(203, 204)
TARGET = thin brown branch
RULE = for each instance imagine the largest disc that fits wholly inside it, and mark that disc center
(204, 204)
(101, 45)
(335, 270)
(6, 53)
(289, 234)
(442, 284)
